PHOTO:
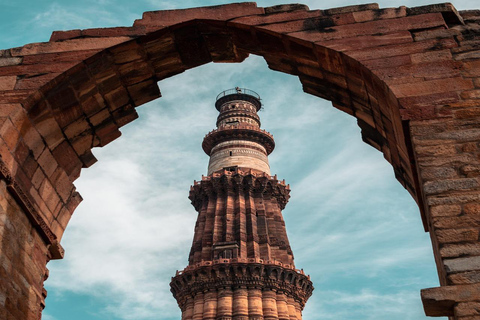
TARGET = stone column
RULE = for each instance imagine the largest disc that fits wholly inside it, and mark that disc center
(282, 307)
(210, 306)
(224, 308)
(198, 307)
(23, 259)
(292, 312)
(240, 304)
(298, 309)
(269, 300)
(187, 314)
(255, 308)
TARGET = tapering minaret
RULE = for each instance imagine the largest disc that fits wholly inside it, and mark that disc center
(241, 264)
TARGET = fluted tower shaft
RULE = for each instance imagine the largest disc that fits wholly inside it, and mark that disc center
(240, 265)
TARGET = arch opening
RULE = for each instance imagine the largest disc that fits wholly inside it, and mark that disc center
(56, 121)
(306, 120)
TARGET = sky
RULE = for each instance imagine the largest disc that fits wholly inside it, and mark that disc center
(351, 225)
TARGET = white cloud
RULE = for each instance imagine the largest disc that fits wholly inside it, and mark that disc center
(60, 17)
(366, 304)
(46, 316)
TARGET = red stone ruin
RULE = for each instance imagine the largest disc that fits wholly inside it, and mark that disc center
(410, 76)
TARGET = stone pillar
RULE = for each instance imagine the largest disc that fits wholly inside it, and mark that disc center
(298, 309)
(292, 312)
(240, 304)
(210, 307)
(255, 306)
(187, 314)
(447, 159)
(269, 301)
(224, 308)
(23, 259)
(198, 307)
(282, 307)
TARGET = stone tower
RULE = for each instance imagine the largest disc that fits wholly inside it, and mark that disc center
(241, 264)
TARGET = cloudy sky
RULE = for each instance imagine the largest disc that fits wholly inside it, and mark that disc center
(351, 225)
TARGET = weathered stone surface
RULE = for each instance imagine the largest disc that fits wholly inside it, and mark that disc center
(467, 309)
(371, 28)
(462, 264)
(472, 208)
(463, 221)
(458, 250)
(457, 235)
(445, 210)
(354, 8)
(464, 277)
(225, 12)
(285, 8)
(257, 20)
(441, 186)
(69, 45)
(440, 301)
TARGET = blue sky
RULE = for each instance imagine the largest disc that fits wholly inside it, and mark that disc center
(351, 225)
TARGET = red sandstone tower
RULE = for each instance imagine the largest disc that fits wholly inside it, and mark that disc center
(241, 264)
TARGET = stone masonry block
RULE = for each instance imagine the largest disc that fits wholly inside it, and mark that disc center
(379, 14)
(462, 264)
(7, 82)
(464, 221)
(256, 20)
(372, 27)
(65, 35)
(286, 8)
(144, 92)
(47, 162)
(467, 309)
(464, 277)
(440, 301)
(472, 208)
(9, 133)
(458, 250)
(354, 8)
(401, 49)
(442, 186)
(225, 12)
(361, 42)
(432, 86)
(68, 45)
(68, 159)
(457, 235)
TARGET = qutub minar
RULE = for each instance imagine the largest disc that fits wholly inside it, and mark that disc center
(241, 264)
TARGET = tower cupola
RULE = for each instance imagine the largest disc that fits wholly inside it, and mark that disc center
(238, 140)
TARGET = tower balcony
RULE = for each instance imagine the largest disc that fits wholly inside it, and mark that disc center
(238, 94)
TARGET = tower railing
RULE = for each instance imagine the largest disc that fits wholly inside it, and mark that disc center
(238, 90)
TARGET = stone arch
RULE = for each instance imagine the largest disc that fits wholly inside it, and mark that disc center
(407, 74)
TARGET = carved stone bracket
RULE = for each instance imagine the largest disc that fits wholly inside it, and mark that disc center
(241, 275)
(240, 178)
